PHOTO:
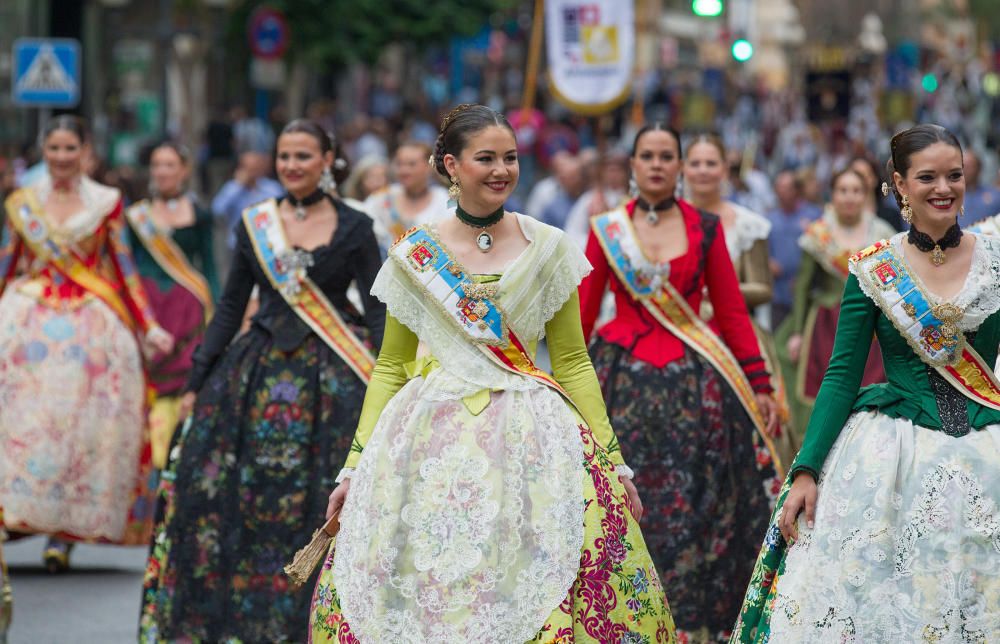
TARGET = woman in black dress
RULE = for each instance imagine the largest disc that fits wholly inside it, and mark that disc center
(272, 415)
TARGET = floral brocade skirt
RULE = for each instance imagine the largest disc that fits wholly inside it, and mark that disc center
(705, 477)
(905, 546)
(462, 544)
(247, 483)
(74, 450)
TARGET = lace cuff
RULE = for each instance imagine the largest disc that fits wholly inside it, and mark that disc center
(625, 470)
(345, 474)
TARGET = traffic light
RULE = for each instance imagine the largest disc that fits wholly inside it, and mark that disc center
(706, 8)
(742, 50)
(929, 83)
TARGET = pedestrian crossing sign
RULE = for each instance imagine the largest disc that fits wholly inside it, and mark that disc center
(46, 72)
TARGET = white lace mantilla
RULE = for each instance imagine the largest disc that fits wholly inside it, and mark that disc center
(532, 289)
(747, 229)
(979, 297)
(906, 543)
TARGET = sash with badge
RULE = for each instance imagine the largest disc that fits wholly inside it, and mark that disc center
(472, 307)
(286, 270)
(29, 221)
(650, 285)
(931, 330)
(818, 241)
(168, 255)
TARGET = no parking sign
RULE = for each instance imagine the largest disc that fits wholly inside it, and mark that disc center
(267, 31)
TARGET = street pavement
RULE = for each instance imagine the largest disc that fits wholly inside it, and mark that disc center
(96, 602)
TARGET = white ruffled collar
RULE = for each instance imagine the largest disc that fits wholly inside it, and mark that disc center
(747, 229)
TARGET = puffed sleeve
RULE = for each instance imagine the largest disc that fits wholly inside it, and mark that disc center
(842, 381)
(756, 281)
(593, 286)
(365, 267)
(572, 368)
(731, 314)
(121, 258)
(399, 347)
(228, 315)
(11, 248)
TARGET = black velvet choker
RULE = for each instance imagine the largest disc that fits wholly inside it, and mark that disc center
(316, 196)
(652, 211)
(951, 239)
(484, 240)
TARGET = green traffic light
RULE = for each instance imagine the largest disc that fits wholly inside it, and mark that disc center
(707, 8)
(742, 50)
(930, 83)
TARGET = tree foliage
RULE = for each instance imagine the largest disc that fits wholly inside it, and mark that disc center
(334, 32)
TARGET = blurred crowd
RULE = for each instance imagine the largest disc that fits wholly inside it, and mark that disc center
(779, 163)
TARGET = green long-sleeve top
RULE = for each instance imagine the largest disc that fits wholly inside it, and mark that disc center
(571, 367)
(814, 286)
(907, 394)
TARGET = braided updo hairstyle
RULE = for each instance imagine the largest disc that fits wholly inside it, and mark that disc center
(460, 125)
(905, 144)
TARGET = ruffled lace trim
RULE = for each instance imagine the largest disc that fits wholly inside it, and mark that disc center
(531, 290)
(98, 202)
(748, 229)
(979, 297)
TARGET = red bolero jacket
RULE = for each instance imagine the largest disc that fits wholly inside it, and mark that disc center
(706, 263)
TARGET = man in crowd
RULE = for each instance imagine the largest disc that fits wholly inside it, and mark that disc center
(249, 185)
(788, 222)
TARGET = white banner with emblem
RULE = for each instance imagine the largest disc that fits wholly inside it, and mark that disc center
(591, 52)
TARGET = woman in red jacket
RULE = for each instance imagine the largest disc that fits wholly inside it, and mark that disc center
(693, 410)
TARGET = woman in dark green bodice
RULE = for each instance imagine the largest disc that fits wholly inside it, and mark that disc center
(887, 529)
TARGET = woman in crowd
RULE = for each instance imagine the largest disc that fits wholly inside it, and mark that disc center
(74, 319)
(887, 530)
(413, 199)
(171, 239)
(487, 501)
(693, 409)
(367, 177)
(271, 415)
(806, 336)
(746, 232)
(874, 202)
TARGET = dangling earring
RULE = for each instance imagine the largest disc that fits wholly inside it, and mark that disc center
(455, 189)
(906, 211)
(326, 181)
(679, 188)
(154, 192)
(961, 210)
(633, 188)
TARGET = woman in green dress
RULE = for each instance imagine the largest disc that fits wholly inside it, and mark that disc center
(888, 527)
(171, 239)
(805, 339)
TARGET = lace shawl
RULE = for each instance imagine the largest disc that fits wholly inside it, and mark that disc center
(532, 289)
(980, 295)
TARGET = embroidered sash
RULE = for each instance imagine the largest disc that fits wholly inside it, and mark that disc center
(168, 255)
(470, 306)
(617, 236)
(818, 242)
(931, 330)
(26, 216)
(286, 271)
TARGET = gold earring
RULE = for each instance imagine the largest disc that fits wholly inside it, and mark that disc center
(907, 210)
(455, 189)
(961, 210)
